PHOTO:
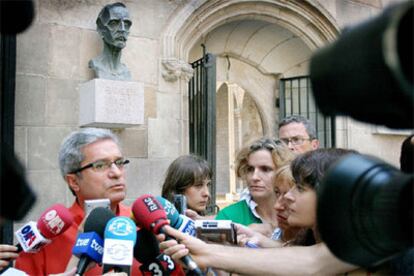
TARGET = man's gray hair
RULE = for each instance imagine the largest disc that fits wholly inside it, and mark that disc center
(70, 154)
(310, 128)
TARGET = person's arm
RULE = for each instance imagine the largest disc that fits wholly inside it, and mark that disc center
(265, 229)
(300, 260)
(7, 253)
(246, 234)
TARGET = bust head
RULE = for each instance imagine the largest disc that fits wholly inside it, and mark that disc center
(113, 24)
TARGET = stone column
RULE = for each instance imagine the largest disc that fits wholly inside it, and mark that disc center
(239, 96)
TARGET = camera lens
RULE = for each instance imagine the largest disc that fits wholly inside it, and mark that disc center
(365, 210)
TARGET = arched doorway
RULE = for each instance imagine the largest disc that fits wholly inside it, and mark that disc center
(256, 44)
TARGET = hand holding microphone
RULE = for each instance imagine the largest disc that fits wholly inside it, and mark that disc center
(33, 236)
(178, 221)
(7, 254)
(150, 214)
(199, 249)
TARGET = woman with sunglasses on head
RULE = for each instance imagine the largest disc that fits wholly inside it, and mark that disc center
(256, 164)
(190, 176)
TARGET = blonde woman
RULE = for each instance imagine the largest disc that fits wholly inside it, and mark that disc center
(257, 164)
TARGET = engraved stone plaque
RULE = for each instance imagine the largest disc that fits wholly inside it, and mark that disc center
(111, 103)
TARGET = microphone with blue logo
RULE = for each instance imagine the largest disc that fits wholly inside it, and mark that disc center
(89, 244)
(180, 222)
(120, 238)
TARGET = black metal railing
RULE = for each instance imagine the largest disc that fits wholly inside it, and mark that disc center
(296, 98)
(202, 113)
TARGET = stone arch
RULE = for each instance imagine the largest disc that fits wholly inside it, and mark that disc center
(307, 19)
(192, 21)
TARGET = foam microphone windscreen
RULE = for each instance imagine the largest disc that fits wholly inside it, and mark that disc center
(97, 220)
(172, 214)
(147, 248)
(54, 221)
(149, 213)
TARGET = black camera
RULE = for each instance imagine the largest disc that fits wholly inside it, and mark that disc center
(365, 209)
(368, 72)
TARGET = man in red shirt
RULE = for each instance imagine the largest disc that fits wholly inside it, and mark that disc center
(93, 166)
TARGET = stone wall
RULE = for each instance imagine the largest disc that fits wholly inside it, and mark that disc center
(52, 61)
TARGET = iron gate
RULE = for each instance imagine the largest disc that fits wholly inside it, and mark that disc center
(202, 114)
(296, 98)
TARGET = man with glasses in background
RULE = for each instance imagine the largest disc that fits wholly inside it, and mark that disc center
(92, 164)
(298, 134)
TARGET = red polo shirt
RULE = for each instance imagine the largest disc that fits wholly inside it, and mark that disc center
(54, 257)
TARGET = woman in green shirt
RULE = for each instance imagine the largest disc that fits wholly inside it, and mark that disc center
(256, 164)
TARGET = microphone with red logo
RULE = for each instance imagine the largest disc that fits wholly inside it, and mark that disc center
(150, 214)
(33, 236)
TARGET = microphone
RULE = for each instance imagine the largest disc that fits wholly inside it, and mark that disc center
(147, 252)
(178, 221)
(33, 236)
(89, 244)
(120, 238)
(150, 214)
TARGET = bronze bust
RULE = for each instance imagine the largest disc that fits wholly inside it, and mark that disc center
(113, 24)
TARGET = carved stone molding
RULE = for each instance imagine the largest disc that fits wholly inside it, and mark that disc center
(173, 69)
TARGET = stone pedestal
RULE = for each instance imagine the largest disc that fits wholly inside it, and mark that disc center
(111, 104)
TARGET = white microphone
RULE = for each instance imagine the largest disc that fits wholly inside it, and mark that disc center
(29, 237)
(34, 235)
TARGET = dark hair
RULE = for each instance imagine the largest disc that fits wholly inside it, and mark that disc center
(309, 168)
(184, 172)
(407, 155)
(104, 14)
(310, 129)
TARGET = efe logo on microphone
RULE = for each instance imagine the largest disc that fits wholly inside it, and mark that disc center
(121, 226)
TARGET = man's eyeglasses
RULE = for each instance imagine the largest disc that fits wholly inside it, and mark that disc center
(103, 165)
(296, 140)
(269, 144)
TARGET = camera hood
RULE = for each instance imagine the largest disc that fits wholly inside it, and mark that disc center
(365, 210)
